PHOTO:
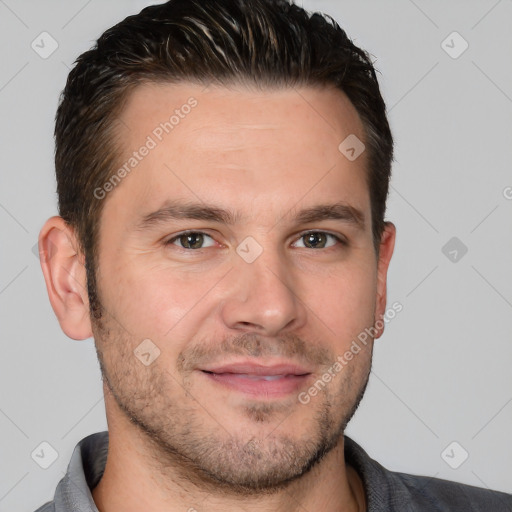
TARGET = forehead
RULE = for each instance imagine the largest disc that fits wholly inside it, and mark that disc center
(250, 149)
(218, 109)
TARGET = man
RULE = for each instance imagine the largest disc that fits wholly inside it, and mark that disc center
(222, 172)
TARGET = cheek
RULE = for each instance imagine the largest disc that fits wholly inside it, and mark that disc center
(156, 302)
(345, 302)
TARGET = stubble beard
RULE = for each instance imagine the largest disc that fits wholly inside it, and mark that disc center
(184, 442)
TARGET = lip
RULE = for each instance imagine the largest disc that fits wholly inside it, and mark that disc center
(247, 377)
(252, 368)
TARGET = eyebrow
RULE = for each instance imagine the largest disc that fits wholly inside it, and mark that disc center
(178, 210)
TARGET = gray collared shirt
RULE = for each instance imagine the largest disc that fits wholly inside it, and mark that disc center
(386, 491)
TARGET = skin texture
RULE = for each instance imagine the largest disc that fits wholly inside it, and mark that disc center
(179, 441)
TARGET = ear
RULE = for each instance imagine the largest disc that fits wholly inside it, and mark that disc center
(63, 267)
(387, 245)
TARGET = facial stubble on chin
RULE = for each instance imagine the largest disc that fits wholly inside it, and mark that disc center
(212, 458)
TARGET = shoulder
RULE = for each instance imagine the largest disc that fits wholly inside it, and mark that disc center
(47, 507)
(83, 473)
(444, 495)
(393, 491)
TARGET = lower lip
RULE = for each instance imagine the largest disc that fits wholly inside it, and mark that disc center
(262, 388)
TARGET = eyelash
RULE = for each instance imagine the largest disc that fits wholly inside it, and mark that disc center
(179, 235)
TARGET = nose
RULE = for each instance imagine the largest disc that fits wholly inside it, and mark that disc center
(263, 296)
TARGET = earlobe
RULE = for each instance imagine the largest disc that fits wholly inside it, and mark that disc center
(65, 277)
(387, 246)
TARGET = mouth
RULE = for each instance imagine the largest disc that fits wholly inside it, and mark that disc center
(258, 380)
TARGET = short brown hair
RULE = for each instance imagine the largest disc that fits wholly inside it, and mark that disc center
(267, 43)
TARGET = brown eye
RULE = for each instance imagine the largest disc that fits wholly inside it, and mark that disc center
(314, 240)
(190, 240)
(319, 240)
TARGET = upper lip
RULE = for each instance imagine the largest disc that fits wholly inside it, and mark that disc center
(253, 368)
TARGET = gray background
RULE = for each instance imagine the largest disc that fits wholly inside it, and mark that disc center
(442, 370)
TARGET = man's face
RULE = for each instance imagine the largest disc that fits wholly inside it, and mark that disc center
(265, 289)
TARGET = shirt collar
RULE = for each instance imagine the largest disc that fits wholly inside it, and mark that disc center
(84, 471)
